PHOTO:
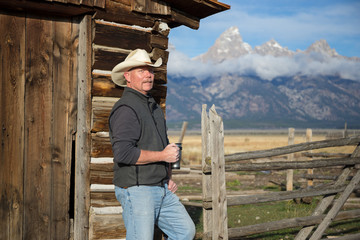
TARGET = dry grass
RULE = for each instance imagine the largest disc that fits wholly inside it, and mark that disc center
(246, 142)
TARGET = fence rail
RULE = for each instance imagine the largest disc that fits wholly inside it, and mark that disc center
(215, 201)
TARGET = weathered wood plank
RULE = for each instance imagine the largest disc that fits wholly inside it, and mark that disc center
(120, 12)
(122, 36)
(279, 196)
(292, 149)
(64, 122)
(104, 199)
(38, 131)
(104, 86)
(206, 178)
(336, 207)
(150, 7)
(83, 137)
(219, 200)
(56, 8)
(100, 3)
(100, 146)
(111, 225)
(101, 108)
(12, 75)
(293, 165)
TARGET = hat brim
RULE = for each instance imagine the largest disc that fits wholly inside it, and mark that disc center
(117, 74)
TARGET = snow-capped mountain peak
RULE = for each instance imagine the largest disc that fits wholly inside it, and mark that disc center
(273, 48)
(229, 45)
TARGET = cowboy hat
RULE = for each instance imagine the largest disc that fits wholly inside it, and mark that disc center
(136, 58)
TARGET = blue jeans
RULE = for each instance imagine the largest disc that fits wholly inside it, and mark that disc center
(146, 206)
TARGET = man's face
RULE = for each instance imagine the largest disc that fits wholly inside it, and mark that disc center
(140, 78)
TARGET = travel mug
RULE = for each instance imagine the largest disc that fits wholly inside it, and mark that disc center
(176, 165)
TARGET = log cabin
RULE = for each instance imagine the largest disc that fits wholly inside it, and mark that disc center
(55, 97)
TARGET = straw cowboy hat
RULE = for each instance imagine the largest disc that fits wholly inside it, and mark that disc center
(136, 58)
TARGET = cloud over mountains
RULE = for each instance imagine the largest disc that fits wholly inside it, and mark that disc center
(231, 55)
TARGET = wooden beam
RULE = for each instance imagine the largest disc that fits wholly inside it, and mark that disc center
(206, 178)
(293, 148)
(12, 118)
(83, 139)
(289, 165)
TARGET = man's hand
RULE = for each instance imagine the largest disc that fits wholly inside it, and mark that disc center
(172, 186)
(171, 153)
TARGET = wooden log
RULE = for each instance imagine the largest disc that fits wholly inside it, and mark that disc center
(103, 199)
(101, 173)
(290, 158)
(320, 177)
(292, 149)
(150, 7)
(120, 12)
(288, 223)
(289, 165)
(327, 200)
(355, 236)
(106, 58)
(325, 154)
(101, 108)
(333, 212)
(279, 196)
(110, 225)
(100, 146)
(182, 18)
(310, 170)
(128, 37)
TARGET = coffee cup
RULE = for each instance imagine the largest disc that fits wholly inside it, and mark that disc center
(176, 165)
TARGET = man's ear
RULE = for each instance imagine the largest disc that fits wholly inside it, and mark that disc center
(127, 76)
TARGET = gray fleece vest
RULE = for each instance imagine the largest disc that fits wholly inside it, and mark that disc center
(153, 137)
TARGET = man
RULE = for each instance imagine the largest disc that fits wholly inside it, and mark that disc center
(142, 156)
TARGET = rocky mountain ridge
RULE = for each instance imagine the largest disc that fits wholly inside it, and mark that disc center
(247, 100)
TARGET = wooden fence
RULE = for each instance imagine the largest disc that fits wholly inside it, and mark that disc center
(215, 200)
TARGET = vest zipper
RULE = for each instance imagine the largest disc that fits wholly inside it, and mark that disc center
(137, 175)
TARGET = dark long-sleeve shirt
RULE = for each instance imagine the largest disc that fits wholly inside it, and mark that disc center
(126, 132)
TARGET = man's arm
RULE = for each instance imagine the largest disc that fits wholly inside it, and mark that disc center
(125, 133)
(170, 154)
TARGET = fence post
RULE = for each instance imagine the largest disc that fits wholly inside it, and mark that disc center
(310, 182)
(290, 172)
(214, 185)
(206, 177)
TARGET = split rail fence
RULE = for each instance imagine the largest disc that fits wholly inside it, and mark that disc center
(215, 200)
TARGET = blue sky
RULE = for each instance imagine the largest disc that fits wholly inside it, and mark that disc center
(295, 24)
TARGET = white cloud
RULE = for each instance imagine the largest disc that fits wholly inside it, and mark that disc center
(265, 67)
(294, 24)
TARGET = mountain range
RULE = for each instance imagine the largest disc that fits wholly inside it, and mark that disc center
(312, 94)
